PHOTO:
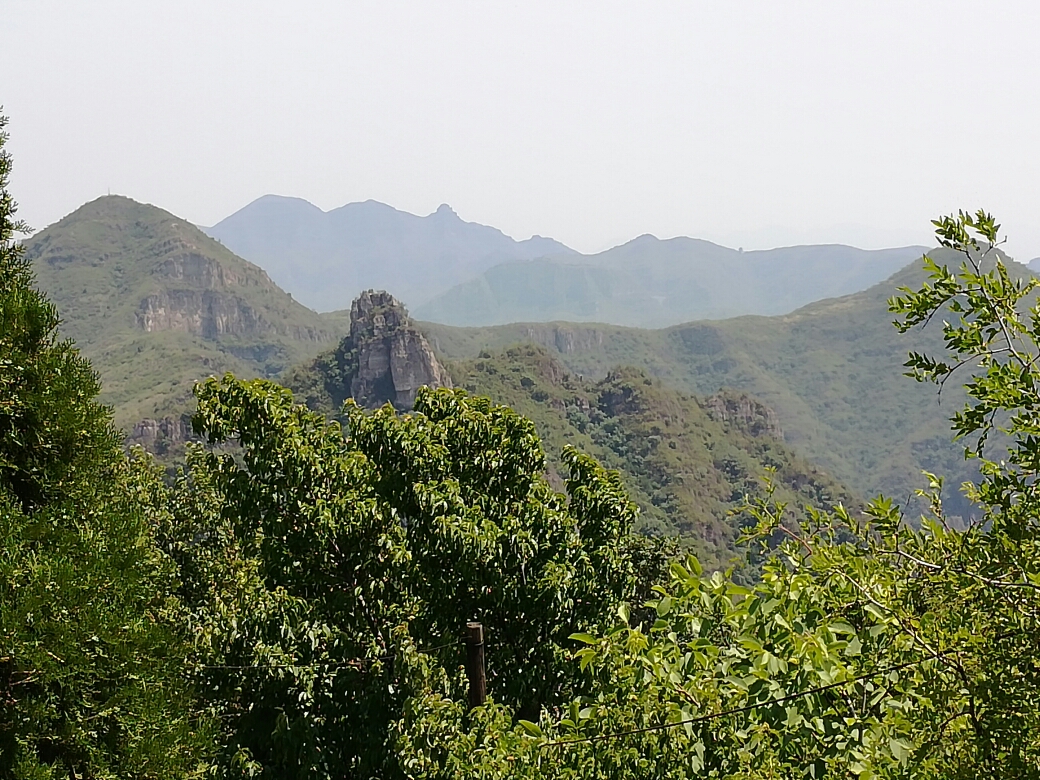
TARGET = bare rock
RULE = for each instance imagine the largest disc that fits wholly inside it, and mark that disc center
(744, 412)
(394, 359)
(157, 435)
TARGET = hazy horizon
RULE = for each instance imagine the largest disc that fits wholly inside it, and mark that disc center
(747, 124)
(759, 233)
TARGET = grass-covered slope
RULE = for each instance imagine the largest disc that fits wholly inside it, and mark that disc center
(652, 283)
(832, 370)
(686, 461)
(155, 305)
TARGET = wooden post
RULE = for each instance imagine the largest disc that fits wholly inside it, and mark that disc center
(475, 664)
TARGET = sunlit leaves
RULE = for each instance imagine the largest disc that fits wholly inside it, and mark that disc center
(335, 550)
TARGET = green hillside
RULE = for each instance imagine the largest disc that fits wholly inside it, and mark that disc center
(686, 462)
(155, 305)
(648, 282)
(832, 370)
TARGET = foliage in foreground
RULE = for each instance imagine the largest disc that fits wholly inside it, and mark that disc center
(92, 641)
(871, 647)
(331, 570)
(309, 589)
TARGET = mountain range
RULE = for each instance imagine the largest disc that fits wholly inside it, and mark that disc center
(326, 258)
(651, 283)
(157, 305)
(462, 273)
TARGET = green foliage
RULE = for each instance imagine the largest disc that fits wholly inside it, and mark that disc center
(331, 570)
(91, 640)
(871, 647)
(687, 470)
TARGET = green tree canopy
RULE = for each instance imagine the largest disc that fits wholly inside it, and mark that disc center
(92, 642)
(879, 646)
(334, 565)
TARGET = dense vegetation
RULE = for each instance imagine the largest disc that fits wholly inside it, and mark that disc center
(92, 638)
(686, 462)
(831, 371)
(294, 609)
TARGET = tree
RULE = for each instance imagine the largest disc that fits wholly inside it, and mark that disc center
(91, 640)
(333, 566)
(872, 647)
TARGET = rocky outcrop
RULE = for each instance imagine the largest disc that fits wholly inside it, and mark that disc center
(204, 313)
(744, 412)
(212, 314)
(157, 435)
(393, 358)
(196, 269)
(564, 339)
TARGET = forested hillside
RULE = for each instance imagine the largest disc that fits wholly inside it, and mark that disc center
(831, 370)
(652, 283)
(157, 305)
(687, 462)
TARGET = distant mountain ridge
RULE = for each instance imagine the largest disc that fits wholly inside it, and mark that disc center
(651, 283)
(325, 259)
(467, 274)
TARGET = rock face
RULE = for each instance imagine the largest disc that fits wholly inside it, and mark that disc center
(203, 297)
(157, 435)
(745, 412)
(394, 359)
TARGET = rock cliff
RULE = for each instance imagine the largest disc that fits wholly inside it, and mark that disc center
(393, 358)
(745, 413)
(158, 435)
(384, 359)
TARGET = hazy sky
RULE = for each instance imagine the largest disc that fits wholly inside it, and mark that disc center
(749, 123)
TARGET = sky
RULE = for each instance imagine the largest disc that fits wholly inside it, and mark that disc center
(750, 123)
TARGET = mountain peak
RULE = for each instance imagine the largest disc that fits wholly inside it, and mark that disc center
(157, 305)
(384, 359)
(327, 258)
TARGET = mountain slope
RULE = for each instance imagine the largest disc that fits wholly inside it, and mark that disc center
(832, 371)
(652, 283)
(326, 258)
(687, 462)
(155, 304)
